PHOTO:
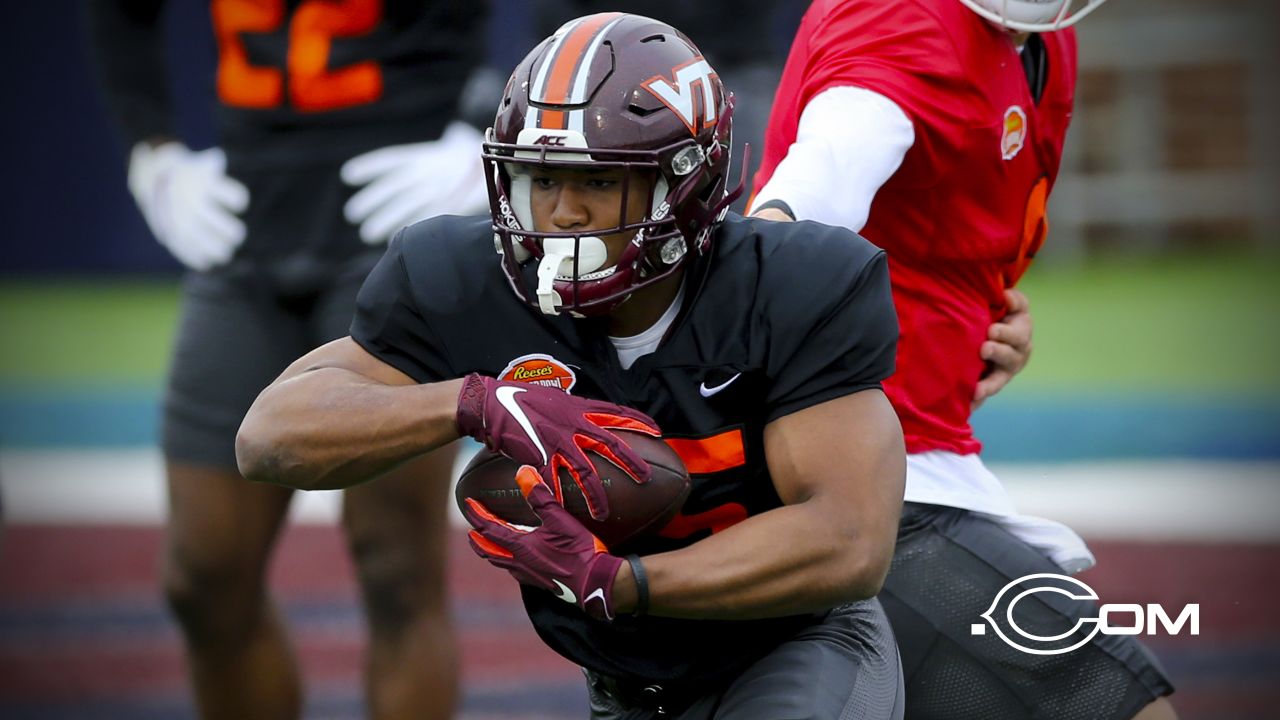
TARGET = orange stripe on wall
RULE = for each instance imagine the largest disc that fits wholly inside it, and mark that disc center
(710, 454)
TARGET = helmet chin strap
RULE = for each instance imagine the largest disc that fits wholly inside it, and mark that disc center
(557, 261)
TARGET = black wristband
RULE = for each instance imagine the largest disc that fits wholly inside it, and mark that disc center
(642, 586)
(777, 205)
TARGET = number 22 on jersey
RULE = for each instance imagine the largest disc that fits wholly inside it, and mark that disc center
(311, 86)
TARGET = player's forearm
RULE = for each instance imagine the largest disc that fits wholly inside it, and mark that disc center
(329, 428)
(794, 559)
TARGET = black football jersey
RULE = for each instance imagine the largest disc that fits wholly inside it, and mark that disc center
(300, 80)
(780, 317)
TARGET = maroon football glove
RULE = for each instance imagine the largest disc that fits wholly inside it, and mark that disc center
(551, 429)
(560, 555)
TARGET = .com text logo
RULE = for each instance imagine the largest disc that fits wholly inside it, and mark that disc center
(1112, 618)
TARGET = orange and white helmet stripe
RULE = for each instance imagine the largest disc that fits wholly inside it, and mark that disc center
(562, 77)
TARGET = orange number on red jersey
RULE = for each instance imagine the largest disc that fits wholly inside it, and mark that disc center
(1035, 226)
(312, 86)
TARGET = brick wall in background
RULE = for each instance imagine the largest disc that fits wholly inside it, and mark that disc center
(1174, 143)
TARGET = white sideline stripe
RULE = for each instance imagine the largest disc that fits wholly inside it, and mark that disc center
(1134, 500)
(1152, 500)
(122, 487)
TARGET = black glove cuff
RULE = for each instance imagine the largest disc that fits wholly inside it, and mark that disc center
(777, 205)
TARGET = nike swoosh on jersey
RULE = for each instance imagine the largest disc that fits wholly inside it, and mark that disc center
(564, 593)
(507, 397)
(707, 392)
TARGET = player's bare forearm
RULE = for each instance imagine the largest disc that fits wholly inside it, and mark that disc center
(840, 468)
(787, 561)
(338, 417)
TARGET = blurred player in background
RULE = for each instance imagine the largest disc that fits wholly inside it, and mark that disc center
(335, 130)
(620, 273)
(935, 128)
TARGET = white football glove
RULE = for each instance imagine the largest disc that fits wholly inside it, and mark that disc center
(402, 184)
(189, 201)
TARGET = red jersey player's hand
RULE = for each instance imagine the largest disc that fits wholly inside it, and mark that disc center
(551, 429)
(560, 555)
(1008, 347)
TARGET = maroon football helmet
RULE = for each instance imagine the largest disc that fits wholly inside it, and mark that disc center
(609, 91)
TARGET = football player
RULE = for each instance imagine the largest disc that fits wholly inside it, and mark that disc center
(935, 128)
(335, 130)
(756, 348)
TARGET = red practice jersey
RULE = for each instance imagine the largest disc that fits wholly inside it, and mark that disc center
(963, 215)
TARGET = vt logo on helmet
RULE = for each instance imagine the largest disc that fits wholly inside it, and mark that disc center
(693, 81)
(614, 92)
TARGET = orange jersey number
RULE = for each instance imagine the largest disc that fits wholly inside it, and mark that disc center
(1035, 226)
(312, 86)
(719, 452)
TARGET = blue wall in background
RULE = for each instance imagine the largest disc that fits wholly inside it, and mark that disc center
(65, 205)
(64, 208)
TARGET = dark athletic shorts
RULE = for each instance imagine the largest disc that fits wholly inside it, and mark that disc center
(290, 288)
(843, 668)
(948, 568)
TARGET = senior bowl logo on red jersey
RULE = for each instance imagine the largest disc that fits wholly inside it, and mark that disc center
(539, 369)
(1015, 132)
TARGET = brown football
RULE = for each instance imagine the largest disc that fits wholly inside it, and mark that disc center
(634, 510)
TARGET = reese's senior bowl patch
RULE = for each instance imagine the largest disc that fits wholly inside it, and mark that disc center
(539, 369)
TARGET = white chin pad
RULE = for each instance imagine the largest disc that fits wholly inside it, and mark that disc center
(557, 262)
(592, 254)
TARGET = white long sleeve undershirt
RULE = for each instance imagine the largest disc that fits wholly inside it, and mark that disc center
(850, 142)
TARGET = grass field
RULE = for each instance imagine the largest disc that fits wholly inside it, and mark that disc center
(1195, 325)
